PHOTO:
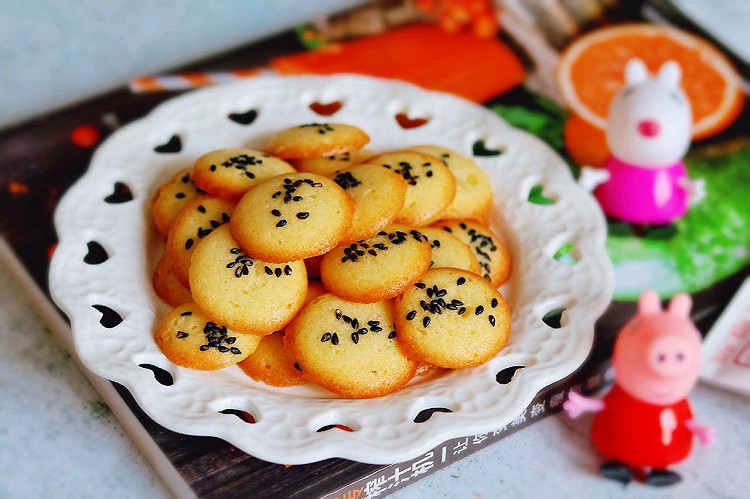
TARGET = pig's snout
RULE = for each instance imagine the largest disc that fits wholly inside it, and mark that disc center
(670, 356)
(649, 128)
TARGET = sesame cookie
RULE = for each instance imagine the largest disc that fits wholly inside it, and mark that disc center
(452, 318)
(431, 186)
(376, 268)
(329, 165)
(171, 197)
(378, 195)
(494, 258)
(196, 220)
(166, 285)
(450, 251)
(247, 294)
(349, 348)
(229, 173)
(314, 140)
(270, 363)
(291, 217)
(473, 188)
(189, 339)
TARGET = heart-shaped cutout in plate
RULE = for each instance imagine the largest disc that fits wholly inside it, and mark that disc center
(326, 109)
(406, 122)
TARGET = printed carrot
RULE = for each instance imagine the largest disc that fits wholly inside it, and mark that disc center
(424, 54)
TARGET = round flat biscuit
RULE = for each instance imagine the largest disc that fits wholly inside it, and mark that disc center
(329, 165)
(170, 198)
(349, 348)
(452, 318)
(229, 173)
(431, 186)
(494, 258)
(196, 220)
(473, 188)
(245, 293)
(376, 268)
(166, 285)
(189, 339)
(313, 140)
(271, 364)
(292, 217)
(450, 251)
(378, 195)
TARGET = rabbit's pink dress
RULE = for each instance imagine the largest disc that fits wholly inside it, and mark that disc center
(643, 195)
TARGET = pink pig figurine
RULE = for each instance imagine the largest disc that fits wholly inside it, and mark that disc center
(644, 424)
(649, 125)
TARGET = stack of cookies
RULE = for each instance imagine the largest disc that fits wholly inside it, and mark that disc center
(313, 260)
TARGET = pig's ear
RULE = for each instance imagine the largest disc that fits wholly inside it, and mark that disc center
(680, 305)
(649, 302)
(635, 72)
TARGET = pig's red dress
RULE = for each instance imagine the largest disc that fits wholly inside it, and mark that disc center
(630, 431)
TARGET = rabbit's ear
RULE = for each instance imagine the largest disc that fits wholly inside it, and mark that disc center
(680, 305)
(670, 73)
(635, 72)
(649, 303)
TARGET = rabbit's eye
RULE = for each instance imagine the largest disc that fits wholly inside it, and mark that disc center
(676, 97)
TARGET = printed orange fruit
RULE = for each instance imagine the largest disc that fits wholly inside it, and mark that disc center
(591, 71)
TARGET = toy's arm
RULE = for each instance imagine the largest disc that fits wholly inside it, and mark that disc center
(696, 189)
(706, 434)
(578, 404)
(591, 177)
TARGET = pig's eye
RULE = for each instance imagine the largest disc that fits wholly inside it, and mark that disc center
(680, 357)
(627, 91)
(676, 97)
(661, 357)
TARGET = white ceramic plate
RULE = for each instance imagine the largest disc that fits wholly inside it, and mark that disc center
(101, 271)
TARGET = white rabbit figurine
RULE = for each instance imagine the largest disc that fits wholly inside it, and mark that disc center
(648, 132)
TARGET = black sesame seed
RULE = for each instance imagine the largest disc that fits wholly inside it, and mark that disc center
(479, 310)
(268, 270)
(492, 320)
(302, 215)
(235, 351)
(326, 337)
(180, 195)
(347, 319)
(182, 334)
(411, 315)
(297, 198)
(278, 271)
(462, 311)
(391, 335)
(187, 313)
(355, 337)
(420, 285)
(494, 302)
(188, 244)
(297, 367)
(355, 323)
(276, 194)
(461, 281)
(335, 339)
(281, 223)
(276, 212)
(201, 208)
(338, 313)
(426, 321)
(287, 270)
